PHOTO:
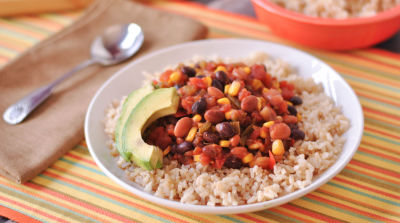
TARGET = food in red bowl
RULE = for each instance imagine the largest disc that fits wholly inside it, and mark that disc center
(329, 33)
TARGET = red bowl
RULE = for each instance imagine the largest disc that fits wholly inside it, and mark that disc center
(331, 34)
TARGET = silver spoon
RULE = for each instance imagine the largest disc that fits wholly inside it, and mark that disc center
(116, 44)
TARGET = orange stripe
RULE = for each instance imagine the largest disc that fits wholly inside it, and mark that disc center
(32, 209)
(378, 154)
(392, 150)
(369, 60)
(381, 132)
(91, 162)
(384, 53)
(23, 31)
(16, 216)
(381, 113)
(155, 212)
(12, 45)
(373, 97)
(346, 207)
(286, 213)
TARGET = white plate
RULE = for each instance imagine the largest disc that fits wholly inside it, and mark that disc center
(130, 77)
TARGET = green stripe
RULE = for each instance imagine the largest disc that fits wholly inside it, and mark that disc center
(281, 217)
(381, 103)
(24, 213)
(11, 51)
(31, 199)
(381, 138)
(377, 157)
(62, 20)
(17, 23)
(364, 194)
(382, 124)
(340, 209)
(103, 198)
(371, 83)
(230, 218)
(81, 166)
(18, 35)
(371, 180)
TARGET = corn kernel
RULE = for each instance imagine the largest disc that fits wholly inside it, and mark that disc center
(224, 143)
(208, 80)
(197, 118)
(247, 70)
(234, 88)
(223, 101)
(248, 158)
(191, 134)
(299, 117)
(174, 77)
(228, 115)
(289, 103)
(268, 124)
(252, 163)
(278, 148)
(259, 103)
(255, 145)
(265, 90)
(276, 84)
(196, 158)
(279, 118)
(264, 132)
(226, 88)
(167, 150)
(221, 68)
(256, 84)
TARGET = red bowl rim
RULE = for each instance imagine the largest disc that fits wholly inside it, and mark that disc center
(276, 9)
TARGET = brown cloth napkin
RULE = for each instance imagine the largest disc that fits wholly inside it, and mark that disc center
(28, 148)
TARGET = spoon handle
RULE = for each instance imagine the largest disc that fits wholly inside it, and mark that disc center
(17, 112)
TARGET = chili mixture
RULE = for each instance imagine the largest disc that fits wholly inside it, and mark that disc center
(230, 115)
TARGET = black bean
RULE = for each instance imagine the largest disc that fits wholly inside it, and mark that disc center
(233, 162)
(211, 137)
(184, 147)
(190, 72)
(218, 84)
(293, 126)
(210, 150)
(225, 130)
(221, 76)
(200, 106)
(286, 144)
(296, 100)
(200, 76)
(292, 110)
(297, 134)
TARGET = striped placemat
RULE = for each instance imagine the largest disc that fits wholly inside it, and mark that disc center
(368, 189)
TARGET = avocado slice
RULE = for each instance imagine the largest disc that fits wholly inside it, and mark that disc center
(129, 104)
(159, 103)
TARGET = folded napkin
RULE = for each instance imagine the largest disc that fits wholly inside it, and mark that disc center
(28, 148)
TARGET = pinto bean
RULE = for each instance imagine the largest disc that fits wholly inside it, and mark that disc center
(214, 116)
(279, 131)
(233, 162)
(249, 103)
(213, 91)
(183, 126)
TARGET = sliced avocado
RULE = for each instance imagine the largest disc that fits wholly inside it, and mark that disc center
(129, 104)
(159, 103)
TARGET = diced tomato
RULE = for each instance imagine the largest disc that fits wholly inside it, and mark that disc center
(165, 75)
(235, 140)
(256, 132)
(187, 103)
(225, 108)
(198, 82)
(180, 113)
(211, 66)
(272, 161)
(163, 141)
(239, 73)
(287, 94)
(243, 93)
(170, 129)
(282, 107)
(197, 151)
(204, 159)
(239, 152)
(258, 71)
(219, 163)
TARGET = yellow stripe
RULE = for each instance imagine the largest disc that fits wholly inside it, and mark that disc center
(381, 118)
(7, 53)
(92, 199)
(56, 18)
(356, 206)
(327, 211)
(379, 107)
(373, 90)
(386, 131)
(385, 152)
(300, 215)
(35, 206)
